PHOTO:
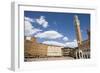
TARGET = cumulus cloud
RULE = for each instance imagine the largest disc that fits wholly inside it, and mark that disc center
(29, 19)
(42, 21)
(49, 35)
(53, 43)
(68, 44)
(75, 40)
(29, 29)
(71, 44)
(65, 38)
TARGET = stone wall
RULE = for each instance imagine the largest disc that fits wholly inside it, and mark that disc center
(34, 49)
(30, 48)
(54, 51)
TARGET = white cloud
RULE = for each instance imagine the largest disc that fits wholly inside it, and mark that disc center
(49, 35)
(75, 40)
(29, 19)
(42, 21)
(65, 38)
(29, 29)
(68, 44)
(71, 44)
(53, 43)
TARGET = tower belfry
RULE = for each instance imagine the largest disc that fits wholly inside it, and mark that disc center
(78, 31)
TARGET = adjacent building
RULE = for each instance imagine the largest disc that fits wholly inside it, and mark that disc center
(54, 51)
(33, 49)
(66, 51)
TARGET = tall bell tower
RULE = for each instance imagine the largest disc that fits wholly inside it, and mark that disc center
(78, 31)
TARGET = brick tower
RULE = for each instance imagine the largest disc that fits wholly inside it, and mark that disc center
(78, 31)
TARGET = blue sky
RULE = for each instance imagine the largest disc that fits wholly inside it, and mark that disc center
(54, 27)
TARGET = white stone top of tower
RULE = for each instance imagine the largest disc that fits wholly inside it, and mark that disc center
(76, 20)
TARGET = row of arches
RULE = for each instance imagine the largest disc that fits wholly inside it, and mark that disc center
(79, 54)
